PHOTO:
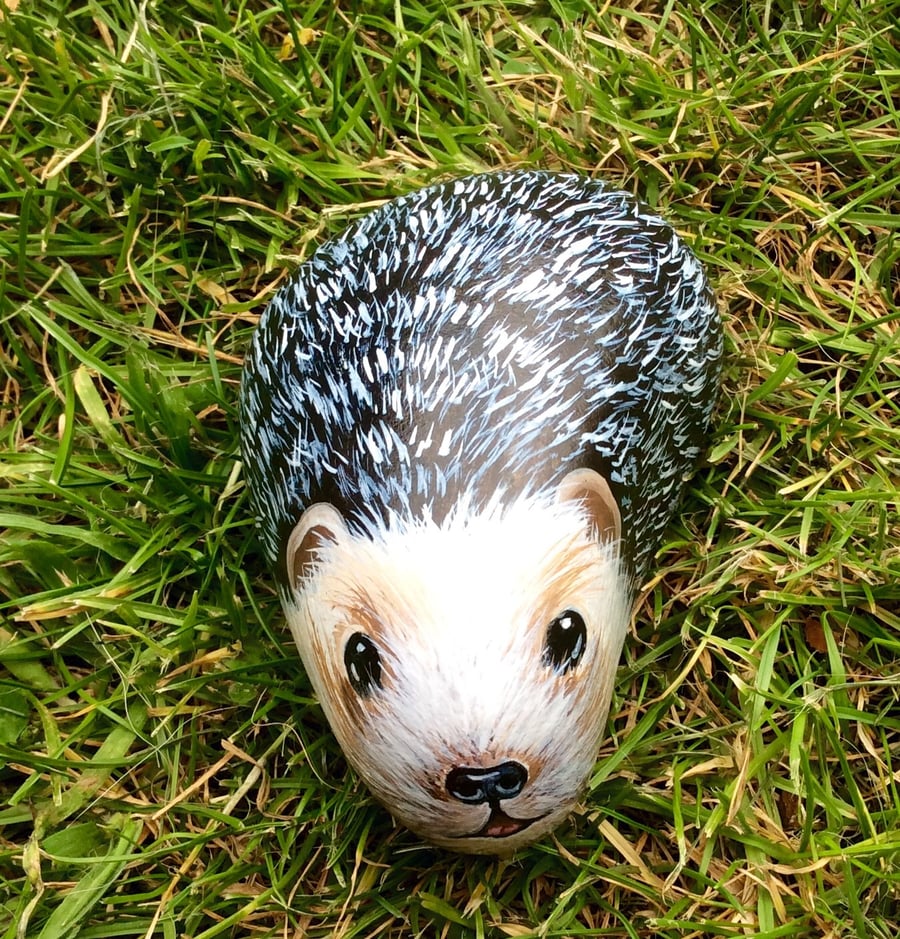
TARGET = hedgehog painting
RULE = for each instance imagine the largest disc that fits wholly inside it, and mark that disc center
(465, 425)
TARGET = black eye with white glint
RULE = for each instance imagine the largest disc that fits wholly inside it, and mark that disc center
(565, 642)
(363, 664)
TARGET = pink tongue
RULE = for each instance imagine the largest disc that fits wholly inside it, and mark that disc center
(502, 825)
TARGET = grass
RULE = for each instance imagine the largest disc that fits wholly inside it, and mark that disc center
(164, 770)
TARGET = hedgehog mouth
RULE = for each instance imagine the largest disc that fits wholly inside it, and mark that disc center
(501, 825)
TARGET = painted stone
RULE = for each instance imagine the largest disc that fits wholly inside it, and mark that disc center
(465, 426)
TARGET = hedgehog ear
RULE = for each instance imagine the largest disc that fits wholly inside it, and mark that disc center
(590, 489)
(319, 525)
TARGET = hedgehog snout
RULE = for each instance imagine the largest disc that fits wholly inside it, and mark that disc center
(476, 786)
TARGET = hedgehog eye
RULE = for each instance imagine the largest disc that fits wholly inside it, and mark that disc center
(363, 664)
(565, 642)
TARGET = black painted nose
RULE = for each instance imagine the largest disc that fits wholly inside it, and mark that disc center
(474, 786)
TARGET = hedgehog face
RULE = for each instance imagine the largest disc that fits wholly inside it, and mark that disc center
(467, 668)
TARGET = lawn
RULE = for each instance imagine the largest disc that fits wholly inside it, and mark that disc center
(164, 768)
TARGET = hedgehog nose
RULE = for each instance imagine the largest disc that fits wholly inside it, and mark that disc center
(474, 786)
